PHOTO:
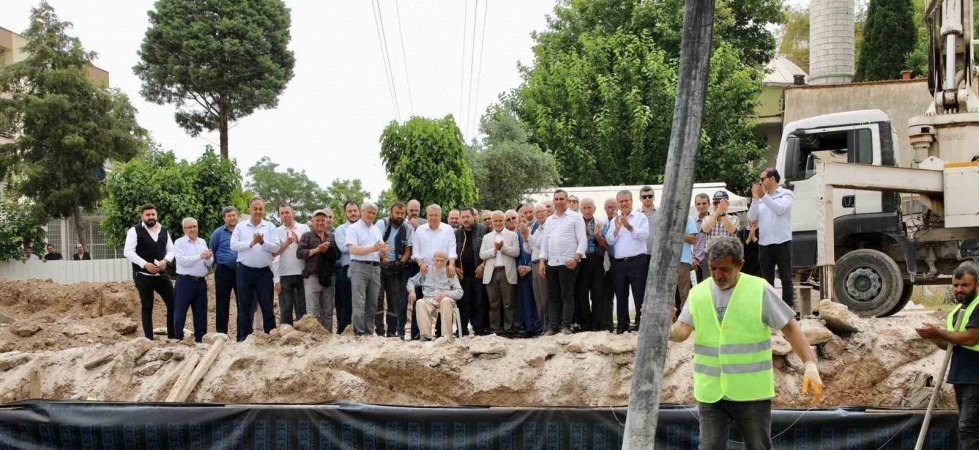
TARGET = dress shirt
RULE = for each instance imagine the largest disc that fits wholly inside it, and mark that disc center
(259, 256)
(721, 230)
(34, 257)
(427, 241)
(565, 238)
(774, 215)
(221, 246)
(129, 251)
(362, 235)
(592, 243)
(651, 219)
(536, 239)
(686, 252)
(629, 243)
(341, 236)
(289, 263)
(188, 254)
(436, 282)
(700, 248)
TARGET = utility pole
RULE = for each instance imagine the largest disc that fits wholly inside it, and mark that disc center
(698, 27)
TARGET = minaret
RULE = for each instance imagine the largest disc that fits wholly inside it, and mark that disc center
(831, 41)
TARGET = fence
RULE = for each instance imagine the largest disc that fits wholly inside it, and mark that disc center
(63, 235)
(68, 272)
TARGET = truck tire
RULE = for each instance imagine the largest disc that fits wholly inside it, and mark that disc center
(908, 289)
(868, 282)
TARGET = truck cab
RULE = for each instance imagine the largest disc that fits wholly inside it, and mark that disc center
(869, 281)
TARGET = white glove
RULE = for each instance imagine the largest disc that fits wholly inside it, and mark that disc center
(811, 379)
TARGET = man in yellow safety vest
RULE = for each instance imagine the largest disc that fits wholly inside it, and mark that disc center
(965, 355)
(733, 314)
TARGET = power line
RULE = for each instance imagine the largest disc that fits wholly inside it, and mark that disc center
(384, 59)
(404, 58)
(462, 75)
(479, 73)
(472, 60)
(387, 55)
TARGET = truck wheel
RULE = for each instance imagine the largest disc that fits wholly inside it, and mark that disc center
(906, 292)
(868, 282)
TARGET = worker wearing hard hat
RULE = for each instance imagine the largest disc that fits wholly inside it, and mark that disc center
(965, 354)
(733, 314)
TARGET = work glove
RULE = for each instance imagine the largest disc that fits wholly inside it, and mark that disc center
(811, 379)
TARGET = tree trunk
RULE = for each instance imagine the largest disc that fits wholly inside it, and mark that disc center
(76, 215)
(644, 396)
(223, 130)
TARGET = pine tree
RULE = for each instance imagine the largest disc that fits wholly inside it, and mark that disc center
(888, 40)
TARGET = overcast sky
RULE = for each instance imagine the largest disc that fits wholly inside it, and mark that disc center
(331, 115)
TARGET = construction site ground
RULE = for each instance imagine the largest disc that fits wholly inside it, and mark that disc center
(84, 342)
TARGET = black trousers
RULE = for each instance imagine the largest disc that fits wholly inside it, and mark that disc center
(518, 313)
(391, 288)
(629, 273)
(225, 281)
(191, 293)
(603, 316)
(344, 298)
(560, 289)
(254, 285)
(472, 294)
(779, 255)
(146, 285)
(589, 298)
(702, 272)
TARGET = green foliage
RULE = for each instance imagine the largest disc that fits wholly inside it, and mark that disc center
(340, 191)
(795, 37)
(20, 225)
(67, 128)
(889, 38)
(178, 189)
(217, 60)
(290, 186)
(384, 202)
(506, 167)
(602, 103)
(425, 159)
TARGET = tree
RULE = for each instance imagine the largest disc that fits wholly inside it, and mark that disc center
(889, 38)
(506, 167)
(217, 60)
(795, 37)
(342, 191)
(425, 159)
(20, 226)
(290, 186)
(178, 189)
(66, 128)
(604, 110)
(384, 201)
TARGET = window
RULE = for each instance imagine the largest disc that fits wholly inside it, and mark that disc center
(846, 146)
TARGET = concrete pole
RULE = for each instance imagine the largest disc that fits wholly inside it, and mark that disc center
(644, 397)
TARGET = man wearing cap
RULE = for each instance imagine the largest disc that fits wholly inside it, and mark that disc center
(318, 249)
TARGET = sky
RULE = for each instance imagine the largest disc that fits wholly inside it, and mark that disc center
(332, 113)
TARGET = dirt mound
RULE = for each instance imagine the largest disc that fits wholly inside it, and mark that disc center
(85, 346)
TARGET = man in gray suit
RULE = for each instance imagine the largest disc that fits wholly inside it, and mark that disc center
(500, 248)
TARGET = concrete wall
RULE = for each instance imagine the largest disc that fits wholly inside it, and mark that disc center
(900, 99)
(831, 41)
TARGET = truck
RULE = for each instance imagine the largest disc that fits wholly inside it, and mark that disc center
(868, 226)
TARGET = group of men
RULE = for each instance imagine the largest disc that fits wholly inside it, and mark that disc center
(53, 255)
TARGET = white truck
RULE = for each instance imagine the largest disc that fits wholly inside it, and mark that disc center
(850, 230)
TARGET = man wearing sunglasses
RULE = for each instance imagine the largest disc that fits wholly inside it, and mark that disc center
(772, 208)
(647, 197)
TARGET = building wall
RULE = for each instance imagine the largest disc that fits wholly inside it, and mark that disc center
(899, 99)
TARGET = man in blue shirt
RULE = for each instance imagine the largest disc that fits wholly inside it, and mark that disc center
(225, 267)
(686, 263)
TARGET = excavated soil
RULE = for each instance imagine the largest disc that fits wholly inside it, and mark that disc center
(58, 330)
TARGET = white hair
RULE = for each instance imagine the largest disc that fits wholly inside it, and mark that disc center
(498, 213)
(368, 205)
(183, 223)
(434, 206)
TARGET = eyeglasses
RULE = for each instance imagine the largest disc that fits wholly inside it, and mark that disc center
(717, 202)
(511, 218)
(646, 197)
(763, 178)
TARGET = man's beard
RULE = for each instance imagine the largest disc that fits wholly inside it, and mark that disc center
(397, 221)
(151, 223)
(969, 297)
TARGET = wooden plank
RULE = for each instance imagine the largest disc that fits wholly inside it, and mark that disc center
(34, 383)
(186, 369)
(198, 374)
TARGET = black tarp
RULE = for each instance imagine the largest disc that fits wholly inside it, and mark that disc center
(97, 425)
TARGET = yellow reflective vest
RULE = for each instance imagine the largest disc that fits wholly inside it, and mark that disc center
(950, 322)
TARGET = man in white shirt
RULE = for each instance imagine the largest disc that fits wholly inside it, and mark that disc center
(193, 258)
(255, 242)
(289, 281)
(535, 237)
(431, 237)
(366, 245)
(341, 286)
(626, 237)
(772, 208)
(647, 197)
(29, 255)
(149, 248)
(562, 249)
(498, 251)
